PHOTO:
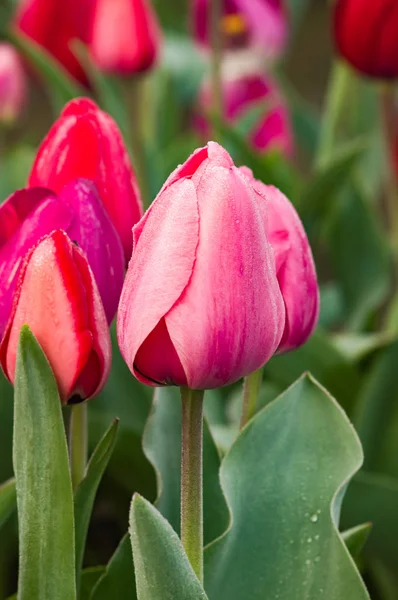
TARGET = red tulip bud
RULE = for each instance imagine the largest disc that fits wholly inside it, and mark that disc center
(12, 84)
(366, 35)
(86, 142)
(58, 298)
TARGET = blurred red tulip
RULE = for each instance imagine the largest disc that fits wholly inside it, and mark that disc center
(86, 142)
(58, 298)
(54, 24)
(124, 36)
(272, 128)
(366, 35)
(12, 84)
(260, 23)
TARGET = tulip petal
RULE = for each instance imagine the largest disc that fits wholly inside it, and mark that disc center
(230, 318)
(160, 268)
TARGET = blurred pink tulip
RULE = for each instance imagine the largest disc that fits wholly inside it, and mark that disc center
(295, 268)
(202, 257)
(242, 94)
(125, 36)
(12, 84)
(256, 23)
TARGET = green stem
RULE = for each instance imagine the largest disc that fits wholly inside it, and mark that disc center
(137, 103)
(251, 390)
(216, 7)
(334, 108)
(78, 442)
(192, 478)
(389, 115)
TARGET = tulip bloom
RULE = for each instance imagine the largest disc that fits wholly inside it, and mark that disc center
(12, 84)
(58, 298)
(202, 257)
(240, 95)
(253, 23)
(54, 24)
(86, 142)
(124, 37)
(365, 34)
(30, 214)
(295, 268)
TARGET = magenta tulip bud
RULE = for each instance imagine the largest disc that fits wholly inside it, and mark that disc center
(243, 93)
(30, 214)
(245, 23)
(295, 268)
(12, 84)
(201, 304)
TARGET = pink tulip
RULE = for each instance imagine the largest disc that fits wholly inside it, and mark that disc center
(295, 268)
(201, 304)
(59, 300)
(30, 214)
(242, 94)
(254, 23)
(12, 84)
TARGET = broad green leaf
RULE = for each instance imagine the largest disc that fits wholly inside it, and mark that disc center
(162, 445)
(61, 87)
(8, 499)
(284, 479)
(44, 489)
(376, 417)
(87, 490)
(357, 346)
(355, 538)
(162, 568)
(320, 357)
(89, 579)
(118, 581)
(360, 254)
(373, 497)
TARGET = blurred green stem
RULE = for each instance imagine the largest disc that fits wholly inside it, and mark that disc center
(216, 7)
(389, 115)
(192, 477)
(251, 390)
(335, 103)
(78, 442)
(137, 103)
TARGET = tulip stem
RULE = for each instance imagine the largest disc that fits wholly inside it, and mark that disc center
(216, 7)
(137, 136)
(251, 390)
(389, 121)
(192, 478)
(78, 442)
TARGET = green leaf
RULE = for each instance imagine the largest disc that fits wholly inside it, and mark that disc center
(357, 346)
(162, 445)
(162, 568)
(86, 492)
(61, 86)
(8, 500)
(284, 479)
(355, 538)
(44, 489)
(118, 581)
(376, 417)
(89, 579)
(360, 255)
(329, 366)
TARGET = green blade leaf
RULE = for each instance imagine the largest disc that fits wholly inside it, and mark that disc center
(89, 579)
(162, 568)
(86, 492)
(61, 86)
(355, 538)
(8, 500)
(118, 581)
(162, 445)
(284, 479)
(44, 489)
